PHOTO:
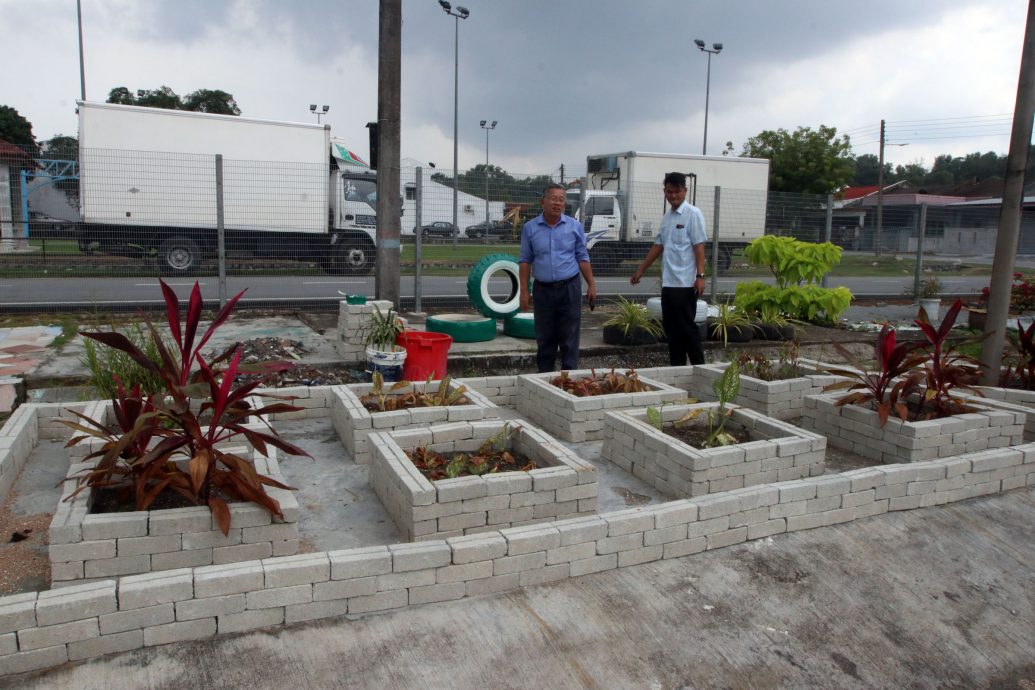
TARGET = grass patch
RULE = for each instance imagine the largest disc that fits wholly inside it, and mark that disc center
(69, 330)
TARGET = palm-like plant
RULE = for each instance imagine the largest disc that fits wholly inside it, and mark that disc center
(632, 316)
(729, 318)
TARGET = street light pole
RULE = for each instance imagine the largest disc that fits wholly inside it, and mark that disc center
(318, 113)
(715, 50)
(487, 129)
(82, 67)
(460, 13)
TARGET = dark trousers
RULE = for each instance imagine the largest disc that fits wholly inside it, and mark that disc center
(678, 308)
(558, 313)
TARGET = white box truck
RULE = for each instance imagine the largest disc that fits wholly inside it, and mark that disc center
(624, 202)
(147, 183)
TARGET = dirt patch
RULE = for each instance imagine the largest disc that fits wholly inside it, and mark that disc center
(694, 435)
(24, 540)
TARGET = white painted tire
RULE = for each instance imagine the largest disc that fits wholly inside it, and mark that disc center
(478, 286)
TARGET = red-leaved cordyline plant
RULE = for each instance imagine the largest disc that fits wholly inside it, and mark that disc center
(945, 369)
(159, 442)
(1024, 369)
(880, 389)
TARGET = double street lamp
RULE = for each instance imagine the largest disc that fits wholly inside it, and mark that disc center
(714, 50)
(459, 13)
(323, 111)
(488, 128)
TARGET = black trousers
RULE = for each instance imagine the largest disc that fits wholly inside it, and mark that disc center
(558, 315)
(678, 308)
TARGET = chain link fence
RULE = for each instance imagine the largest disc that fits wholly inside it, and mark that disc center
(96, 228)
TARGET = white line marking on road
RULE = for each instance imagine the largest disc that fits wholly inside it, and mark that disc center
(334, 282)
(169, 284)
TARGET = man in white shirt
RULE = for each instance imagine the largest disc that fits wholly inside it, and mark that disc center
(680, 242)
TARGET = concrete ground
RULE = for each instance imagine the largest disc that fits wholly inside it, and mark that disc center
(935, 598)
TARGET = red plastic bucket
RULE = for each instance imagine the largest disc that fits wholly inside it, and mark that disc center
(425, 354)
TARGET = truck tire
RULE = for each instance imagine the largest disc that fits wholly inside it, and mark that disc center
(604, 260)
(478, 286)
(352, 258)
(464, 328)
(521, 325)
(725, 258)
(179, 256)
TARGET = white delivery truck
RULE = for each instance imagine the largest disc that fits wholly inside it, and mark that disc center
(147, 184)
(624, 202)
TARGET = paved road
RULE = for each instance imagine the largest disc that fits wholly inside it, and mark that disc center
(106, 292)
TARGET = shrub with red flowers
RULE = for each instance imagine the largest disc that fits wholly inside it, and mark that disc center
(1022, 294)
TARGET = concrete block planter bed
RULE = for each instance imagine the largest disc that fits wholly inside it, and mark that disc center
(354, 423)
(857, 428)
(781, 398)
(1012, 399)
(577, 419)
(86, 546)
(777, 451)
(563, 485)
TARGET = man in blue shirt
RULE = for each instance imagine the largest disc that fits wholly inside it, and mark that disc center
(553, 251)
(680, 241)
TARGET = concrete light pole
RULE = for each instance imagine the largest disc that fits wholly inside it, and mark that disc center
(82, 67)
(715, 50)
(460, 13)
(487, 128)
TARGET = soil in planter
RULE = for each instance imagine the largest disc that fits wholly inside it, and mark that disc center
(604, 384)
(123, 500)
(435, 466)
(694, 435)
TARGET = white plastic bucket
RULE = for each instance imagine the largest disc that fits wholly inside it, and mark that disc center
(389, 364)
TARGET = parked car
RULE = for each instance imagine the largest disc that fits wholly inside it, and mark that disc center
(439, 228)
(497, 229)
(43, 225)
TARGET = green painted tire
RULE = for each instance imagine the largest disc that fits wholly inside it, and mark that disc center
(464, 328)
(520, 325)
(478, 286)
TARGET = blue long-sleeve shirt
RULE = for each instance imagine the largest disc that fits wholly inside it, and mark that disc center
(554, 253)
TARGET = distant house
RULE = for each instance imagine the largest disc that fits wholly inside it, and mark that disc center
(13, 159)
(962, 219)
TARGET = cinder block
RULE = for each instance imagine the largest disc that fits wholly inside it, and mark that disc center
(122, 565)
(75, 603)
(593, 565)
(140, 591)
(356, 563)
(522, 540)
(180, 520)
(136, 546)
(232, 578)
(297, 570)
(181, 559)
(179, 632)
(34, 660)
(212, 606)
(97, 527)
(106, 644)
(344, 589)
(279, 597)
(297, 613)
(477, 547)
(51, 635)
(244, 552)
(121, 621)
(382, 601)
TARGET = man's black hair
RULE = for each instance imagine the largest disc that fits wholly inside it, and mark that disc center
(676, 179)
(554, 185)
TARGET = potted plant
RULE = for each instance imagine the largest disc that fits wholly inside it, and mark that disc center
(383, 354)
(771, 324)
(632, 325)
(730, 325)
(173, 442)
(927, 296)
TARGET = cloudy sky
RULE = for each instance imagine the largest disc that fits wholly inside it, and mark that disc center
(564, 79)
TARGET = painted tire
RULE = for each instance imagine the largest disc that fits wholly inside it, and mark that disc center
(464, 328)
(478, 286)
(521, 325)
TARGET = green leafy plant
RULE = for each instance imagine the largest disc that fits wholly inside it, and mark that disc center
(603, 384)
(105, 364)
(381, 399)
(159, 442)
(632, 316)
(728, 318)
(945, 368)
(810, 303)
(726, 388)
(382, 330)
(791, 261)
(930, 288)
(493, 455)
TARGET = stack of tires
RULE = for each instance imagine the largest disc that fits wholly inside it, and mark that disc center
(465, 328)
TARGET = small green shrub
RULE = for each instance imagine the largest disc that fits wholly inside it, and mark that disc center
(803, 302)
(105, 363)
(792, 261)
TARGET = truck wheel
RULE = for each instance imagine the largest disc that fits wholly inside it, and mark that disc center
(725, 259)
(179, 256)
(604, 260)
(353, 259)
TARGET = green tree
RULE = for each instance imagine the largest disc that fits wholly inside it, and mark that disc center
(867, 169)
(805, 161)
(15, 129)
(211, 101)
(200, 101)
(60, 147)
(914, 172)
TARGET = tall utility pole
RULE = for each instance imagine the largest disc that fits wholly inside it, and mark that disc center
(488, 128)
(459, 13)
(1010, 213)
(389, 205)
(880, 193)
(82, 66)
(715, 50)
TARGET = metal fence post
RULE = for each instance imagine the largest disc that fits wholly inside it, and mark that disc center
(220, 234)
(921, 231)
(828, 229)
(715, 244)
(418, 196)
